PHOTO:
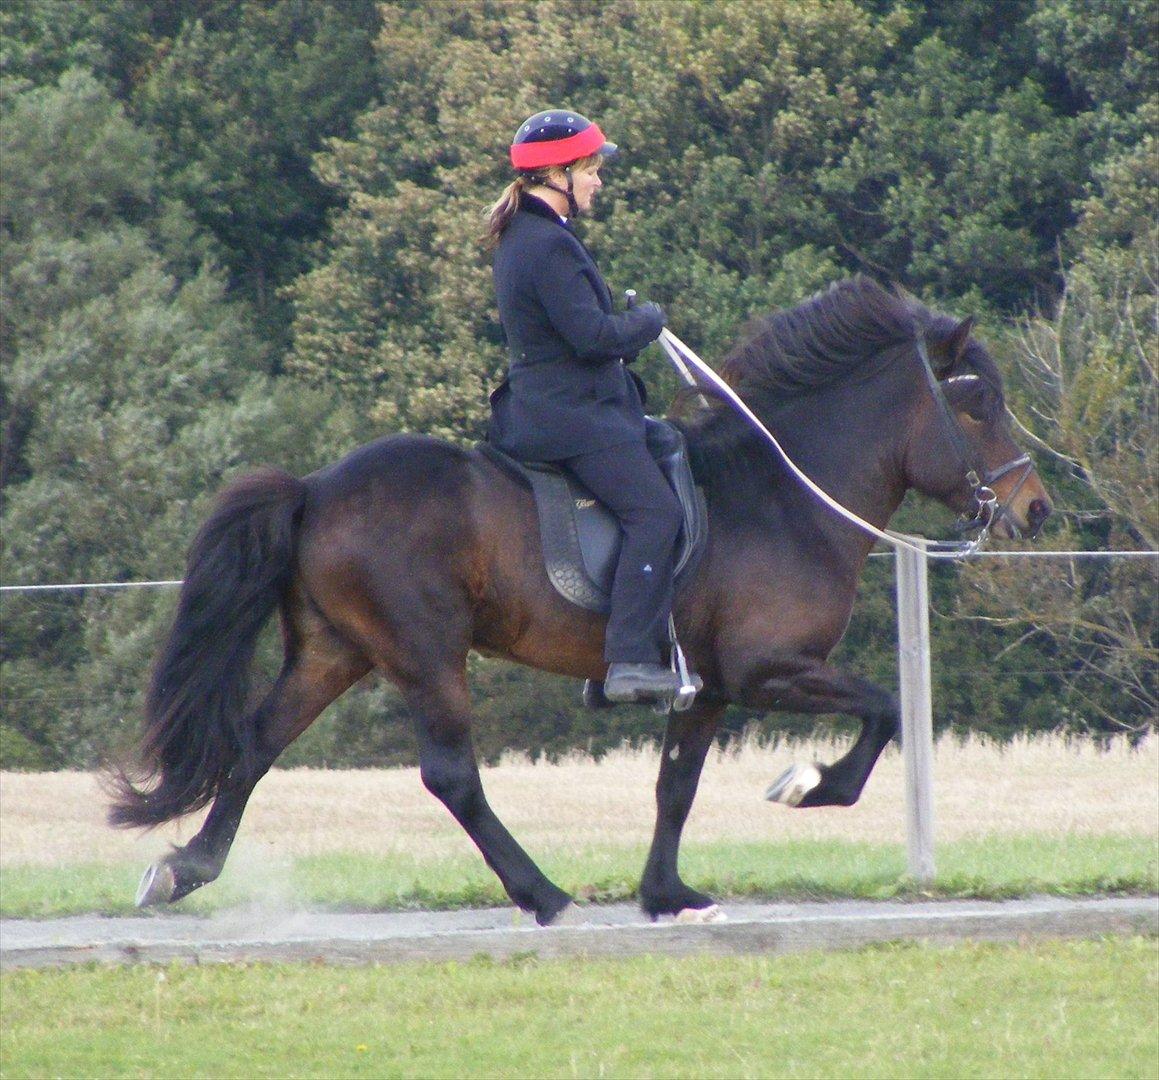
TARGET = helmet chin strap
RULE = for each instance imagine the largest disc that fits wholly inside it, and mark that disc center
(569, 194)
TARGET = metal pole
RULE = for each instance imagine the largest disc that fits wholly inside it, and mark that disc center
(917, 728)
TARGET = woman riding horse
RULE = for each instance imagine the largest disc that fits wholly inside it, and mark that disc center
(410, 553)
(568, 397)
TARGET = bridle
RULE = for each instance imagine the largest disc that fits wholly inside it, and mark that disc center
(988, 510)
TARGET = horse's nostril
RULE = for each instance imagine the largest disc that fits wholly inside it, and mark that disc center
(1039, 511)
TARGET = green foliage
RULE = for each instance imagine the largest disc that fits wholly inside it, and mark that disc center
(1105, 47)
(239, 104)
(130, 393)
(45, 38)
(1087, 388)
(965, 185)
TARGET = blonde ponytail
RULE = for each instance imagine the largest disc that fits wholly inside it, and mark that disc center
(499, 216)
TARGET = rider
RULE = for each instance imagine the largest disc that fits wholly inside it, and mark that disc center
(568, 397)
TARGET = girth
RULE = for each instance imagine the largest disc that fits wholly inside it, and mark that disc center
(581, 538)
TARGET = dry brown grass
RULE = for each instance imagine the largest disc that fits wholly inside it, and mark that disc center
(1042, 786)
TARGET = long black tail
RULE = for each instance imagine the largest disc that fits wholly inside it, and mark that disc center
(196, 729)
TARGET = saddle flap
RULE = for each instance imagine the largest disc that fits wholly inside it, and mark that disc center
(581, 538)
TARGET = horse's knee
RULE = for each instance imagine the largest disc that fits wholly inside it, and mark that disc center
(453, 779)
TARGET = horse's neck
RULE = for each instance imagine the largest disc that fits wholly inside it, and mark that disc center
(850, 447)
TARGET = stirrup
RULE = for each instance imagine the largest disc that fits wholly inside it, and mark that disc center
(690, 683)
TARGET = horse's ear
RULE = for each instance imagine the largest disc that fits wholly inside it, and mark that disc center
(959, 339)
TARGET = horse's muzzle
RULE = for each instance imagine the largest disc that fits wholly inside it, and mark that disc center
(1010, 524)
(1037, 513)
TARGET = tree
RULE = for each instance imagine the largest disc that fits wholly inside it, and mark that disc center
(1106, 48)
(183, 177)
(722, 110)
(132, 388)
(238, 103)
(1090, 395)
(966, 188)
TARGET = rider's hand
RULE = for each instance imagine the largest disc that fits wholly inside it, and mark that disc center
(656, 311)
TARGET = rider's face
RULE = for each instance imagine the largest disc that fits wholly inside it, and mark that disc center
(586, 182)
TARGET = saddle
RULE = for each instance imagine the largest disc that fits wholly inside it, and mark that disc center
(581, 538)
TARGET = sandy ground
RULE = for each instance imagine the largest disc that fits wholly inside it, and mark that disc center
(1032, 786)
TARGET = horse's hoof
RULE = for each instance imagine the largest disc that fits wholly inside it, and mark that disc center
(572, 915)
(794, 784)
(158, 885)
(710, 914)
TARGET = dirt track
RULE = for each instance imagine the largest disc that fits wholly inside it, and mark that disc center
(612, 930)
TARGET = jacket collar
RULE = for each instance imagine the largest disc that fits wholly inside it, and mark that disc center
(535, 205)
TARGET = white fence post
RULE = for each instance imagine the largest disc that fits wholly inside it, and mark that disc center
(917, 728)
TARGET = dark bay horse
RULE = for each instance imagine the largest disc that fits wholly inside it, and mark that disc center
(410, 552)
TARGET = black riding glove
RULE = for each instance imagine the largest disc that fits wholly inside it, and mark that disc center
(652, 313)
(656, 311)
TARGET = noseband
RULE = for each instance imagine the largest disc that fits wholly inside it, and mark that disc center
(988, 511)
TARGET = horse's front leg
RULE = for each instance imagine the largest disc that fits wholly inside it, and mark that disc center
(819, 688)
(686, 742)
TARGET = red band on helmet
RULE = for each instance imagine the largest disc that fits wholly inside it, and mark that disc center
(536, 155)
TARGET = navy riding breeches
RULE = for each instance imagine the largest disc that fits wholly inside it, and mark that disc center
(629, 483)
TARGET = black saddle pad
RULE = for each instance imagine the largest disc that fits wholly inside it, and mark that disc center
(581, 538)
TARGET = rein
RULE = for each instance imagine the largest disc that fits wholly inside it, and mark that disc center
(989, 511)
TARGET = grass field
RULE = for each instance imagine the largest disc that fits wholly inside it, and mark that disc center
(1041, 815)
(1058, 1009)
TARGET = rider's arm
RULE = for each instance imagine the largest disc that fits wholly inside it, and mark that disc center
(568, 297)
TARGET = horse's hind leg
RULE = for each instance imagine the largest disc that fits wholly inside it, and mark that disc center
(317, 670)
(449, 771)
(822, 689)
(686, 743)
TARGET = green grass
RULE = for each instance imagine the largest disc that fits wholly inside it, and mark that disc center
(1059, 1009)
(995, 867)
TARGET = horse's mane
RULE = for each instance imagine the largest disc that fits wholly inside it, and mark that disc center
(820, 340)
(837, 333)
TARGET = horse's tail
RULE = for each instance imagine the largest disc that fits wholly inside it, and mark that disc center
(197, 731)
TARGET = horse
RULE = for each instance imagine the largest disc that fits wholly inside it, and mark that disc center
(410, 552)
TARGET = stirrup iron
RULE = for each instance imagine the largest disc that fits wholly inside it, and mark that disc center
(690, 684)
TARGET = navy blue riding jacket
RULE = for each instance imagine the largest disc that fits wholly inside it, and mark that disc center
(567, 391)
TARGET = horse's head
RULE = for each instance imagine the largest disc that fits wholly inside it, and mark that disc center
(963, 452)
